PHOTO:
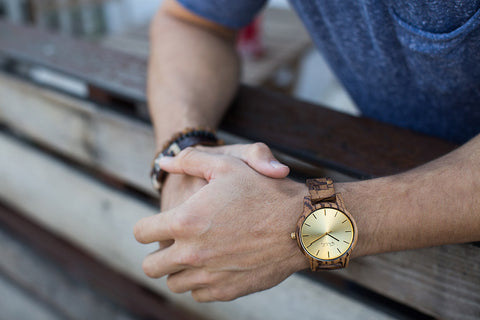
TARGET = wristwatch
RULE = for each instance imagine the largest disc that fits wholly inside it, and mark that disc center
(326, 232)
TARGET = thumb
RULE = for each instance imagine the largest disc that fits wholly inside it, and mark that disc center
(257, 155)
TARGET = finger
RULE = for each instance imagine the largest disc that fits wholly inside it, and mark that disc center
(198, 163)
(154, 228)
(202, 295)
(209, 294)
(162, 262)
(178, 188)
(188, 280)
(257, 155)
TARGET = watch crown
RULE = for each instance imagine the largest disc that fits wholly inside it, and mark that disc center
(293, 236)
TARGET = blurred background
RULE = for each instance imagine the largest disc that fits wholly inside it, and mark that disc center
(276, 49)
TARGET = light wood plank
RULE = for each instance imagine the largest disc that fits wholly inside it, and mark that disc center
(54, 290)
(80, 130)
(15, 304)
(100, 220)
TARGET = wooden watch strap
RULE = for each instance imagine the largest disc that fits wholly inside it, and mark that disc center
(321, 190)
(322, 195)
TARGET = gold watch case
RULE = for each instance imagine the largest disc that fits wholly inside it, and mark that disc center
(326, 234)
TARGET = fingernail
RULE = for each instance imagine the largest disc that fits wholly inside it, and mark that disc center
(165, 160)
(276, 164)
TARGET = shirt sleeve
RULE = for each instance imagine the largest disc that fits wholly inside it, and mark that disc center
(233, 14)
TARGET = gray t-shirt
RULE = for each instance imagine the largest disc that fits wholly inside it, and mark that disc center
(412, 63)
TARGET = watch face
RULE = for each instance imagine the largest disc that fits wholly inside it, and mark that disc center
(326, 233)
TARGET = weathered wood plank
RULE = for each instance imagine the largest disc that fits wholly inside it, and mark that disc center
(80, 130)
(16, 304)
(441, 281)
(57, 273)
(100, 220)
(91, 65)
(52, 288)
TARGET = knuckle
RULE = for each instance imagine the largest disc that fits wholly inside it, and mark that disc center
(224, 164)
(257, 149)
(189, 258)
(186, 224)
(219, 294)
(198, 297)
(172, 285)
(186, 154)
(149, 269)
(204, 278)
(178, 224)
(139, 231)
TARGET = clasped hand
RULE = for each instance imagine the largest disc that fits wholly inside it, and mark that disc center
(232, 236)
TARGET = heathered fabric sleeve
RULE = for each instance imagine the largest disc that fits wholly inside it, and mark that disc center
(233, 14)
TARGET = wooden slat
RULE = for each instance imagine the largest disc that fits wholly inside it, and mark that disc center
(442, 281)
(100, 220)
(80, 130)
(65, 274)
(356, 146)
(16, 304)
(82, 60)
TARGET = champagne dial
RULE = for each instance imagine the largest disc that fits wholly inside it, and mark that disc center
(326, 233)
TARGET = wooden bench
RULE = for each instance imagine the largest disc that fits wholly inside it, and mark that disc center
(75, 159)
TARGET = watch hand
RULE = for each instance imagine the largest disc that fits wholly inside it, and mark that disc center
(323, 235)
(328, 234)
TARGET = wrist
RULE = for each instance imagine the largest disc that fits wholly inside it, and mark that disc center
(189, 137)
(360, 207)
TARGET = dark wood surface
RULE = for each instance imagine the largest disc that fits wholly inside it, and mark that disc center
(359, 147)
(82, 268)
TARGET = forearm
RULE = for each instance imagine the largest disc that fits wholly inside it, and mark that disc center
(193, 74)
(431, 205)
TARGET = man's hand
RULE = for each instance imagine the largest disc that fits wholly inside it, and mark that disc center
(179, 187)
(232, 237)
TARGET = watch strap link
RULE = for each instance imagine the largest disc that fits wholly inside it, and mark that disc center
(321, 190)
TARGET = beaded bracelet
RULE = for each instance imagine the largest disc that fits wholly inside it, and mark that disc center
(187, 138)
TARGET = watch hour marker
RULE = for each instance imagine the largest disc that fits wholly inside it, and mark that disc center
(346, 242)
(314, 215)
(317, 252)
(344, 221)
(307, 224)
(329, 254)
(306, 235)
(339, 250)
(325, 212)
(348, 231)
(335, 214)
